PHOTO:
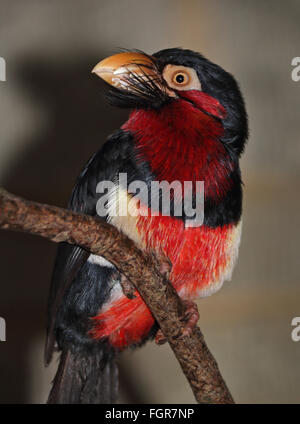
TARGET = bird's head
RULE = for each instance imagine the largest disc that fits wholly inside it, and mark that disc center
(141, 81)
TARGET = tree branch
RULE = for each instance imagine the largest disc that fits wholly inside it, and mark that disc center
(100, 238)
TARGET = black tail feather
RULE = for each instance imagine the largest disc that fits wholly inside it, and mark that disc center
(85, 379)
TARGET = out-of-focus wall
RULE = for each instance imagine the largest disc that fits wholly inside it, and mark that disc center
(53, 116)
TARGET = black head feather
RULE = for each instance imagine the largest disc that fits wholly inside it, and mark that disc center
(149, 91)
(219, 84)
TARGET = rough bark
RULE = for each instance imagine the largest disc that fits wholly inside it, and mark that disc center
(100, 238)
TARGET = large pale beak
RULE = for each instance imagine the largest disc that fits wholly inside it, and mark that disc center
(116, 69)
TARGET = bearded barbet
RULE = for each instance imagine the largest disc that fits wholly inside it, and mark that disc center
(187, 123)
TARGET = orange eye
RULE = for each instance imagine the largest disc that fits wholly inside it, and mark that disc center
(181, 78)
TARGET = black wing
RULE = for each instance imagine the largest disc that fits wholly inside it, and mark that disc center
(104, 165)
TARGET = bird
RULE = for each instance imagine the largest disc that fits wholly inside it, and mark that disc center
(187, 122)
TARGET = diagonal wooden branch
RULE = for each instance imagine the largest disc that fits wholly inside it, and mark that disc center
(100, 238)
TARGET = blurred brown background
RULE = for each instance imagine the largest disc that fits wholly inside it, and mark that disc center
(53, 116)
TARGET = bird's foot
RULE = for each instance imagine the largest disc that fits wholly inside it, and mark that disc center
(160, 339)
(127, 287)
(190, 317)
(163, 263)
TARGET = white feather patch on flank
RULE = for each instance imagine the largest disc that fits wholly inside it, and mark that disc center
(99, 260)
(233, 244)
(123, 215)
(116, 293)
(211, 289)
(232, 250)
